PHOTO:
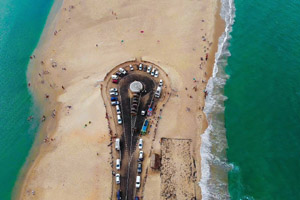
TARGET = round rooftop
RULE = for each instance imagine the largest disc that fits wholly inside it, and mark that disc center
(136, 86)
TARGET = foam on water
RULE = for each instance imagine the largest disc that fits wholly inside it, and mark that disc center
(214, 166)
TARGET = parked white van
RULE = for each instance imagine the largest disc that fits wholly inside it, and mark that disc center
(118, 177)
(131, 68)
(117, 144)
(158, 92)
(156, 73)
(119, 119)
(141, 67)
(118, 164)
(141, 156)
(118, 110)
(153, 72)
(123, 71)
(149, 69)
(138, 182)
(161, 82)
(113, 90)
(114, 77)
(141, 143)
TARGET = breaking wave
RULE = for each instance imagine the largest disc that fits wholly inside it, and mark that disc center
(214, 166)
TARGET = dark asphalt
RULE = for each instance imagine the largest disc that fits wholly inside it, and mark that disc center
(130, 137)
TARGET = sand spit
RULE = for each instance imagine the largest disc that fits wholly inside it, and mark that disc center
(87, 39)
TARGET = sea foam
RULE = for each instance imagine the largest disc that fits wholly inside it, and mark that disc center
(214, 166)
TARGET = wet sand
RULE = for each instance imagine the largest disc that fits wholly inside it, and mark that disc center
(82, 43)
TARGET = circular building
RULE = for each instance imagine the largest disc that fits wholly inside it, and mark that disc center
(136, 86)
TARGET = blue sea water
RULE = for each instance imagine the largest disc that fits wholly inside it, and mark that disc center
(21, 24)
(262, 113)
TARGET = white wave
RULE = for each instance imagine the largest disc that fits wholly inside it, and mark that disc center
(214, 166)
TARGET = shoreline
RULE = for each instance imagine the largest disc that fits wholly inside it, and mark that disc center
(219, 27)
(41, 132)
(50, 126)
(213, 150)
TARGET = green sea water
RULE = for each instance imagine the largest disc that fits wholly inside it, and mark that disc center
(262, 115)
(21, 24)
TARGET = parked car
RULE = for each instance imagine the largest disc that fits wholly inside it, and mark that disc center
(114, 94)
(115, 81)
(118, 164)
(118, 179)
(113, 90)
(156, 73)
(136, 198)
(114, 98)
(118, 110)
(158, 92)
(138, 182)
(149, 69)
(145, 68)
(149, 111)
(141, 143)
(123, 71)
(114, 77)
(114, 103)
(119, 119)
(139, 167)
(141, 67)
(117, 144)
(161, 82)
(141, 156)
(143, 112)
(131, 68)
(119, 195)
(153, 72)
(119, 74)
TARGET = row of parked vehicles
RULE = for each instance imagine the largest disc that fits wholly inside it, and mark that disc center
(118, 166)
(119, 196)
(122, 72)
(149, 69)
(139, 165)
(113, 92)
(114, 102)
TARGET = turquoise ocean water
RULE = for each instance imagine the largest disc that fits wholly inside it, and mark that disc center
(262, 115)
(21, 24)
(251, 148)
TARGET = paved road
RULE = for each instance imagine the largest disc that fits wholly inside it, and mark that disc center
(130, 136)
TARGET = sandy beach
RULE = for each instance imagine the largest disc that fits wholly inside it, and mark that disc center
(83, 42)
